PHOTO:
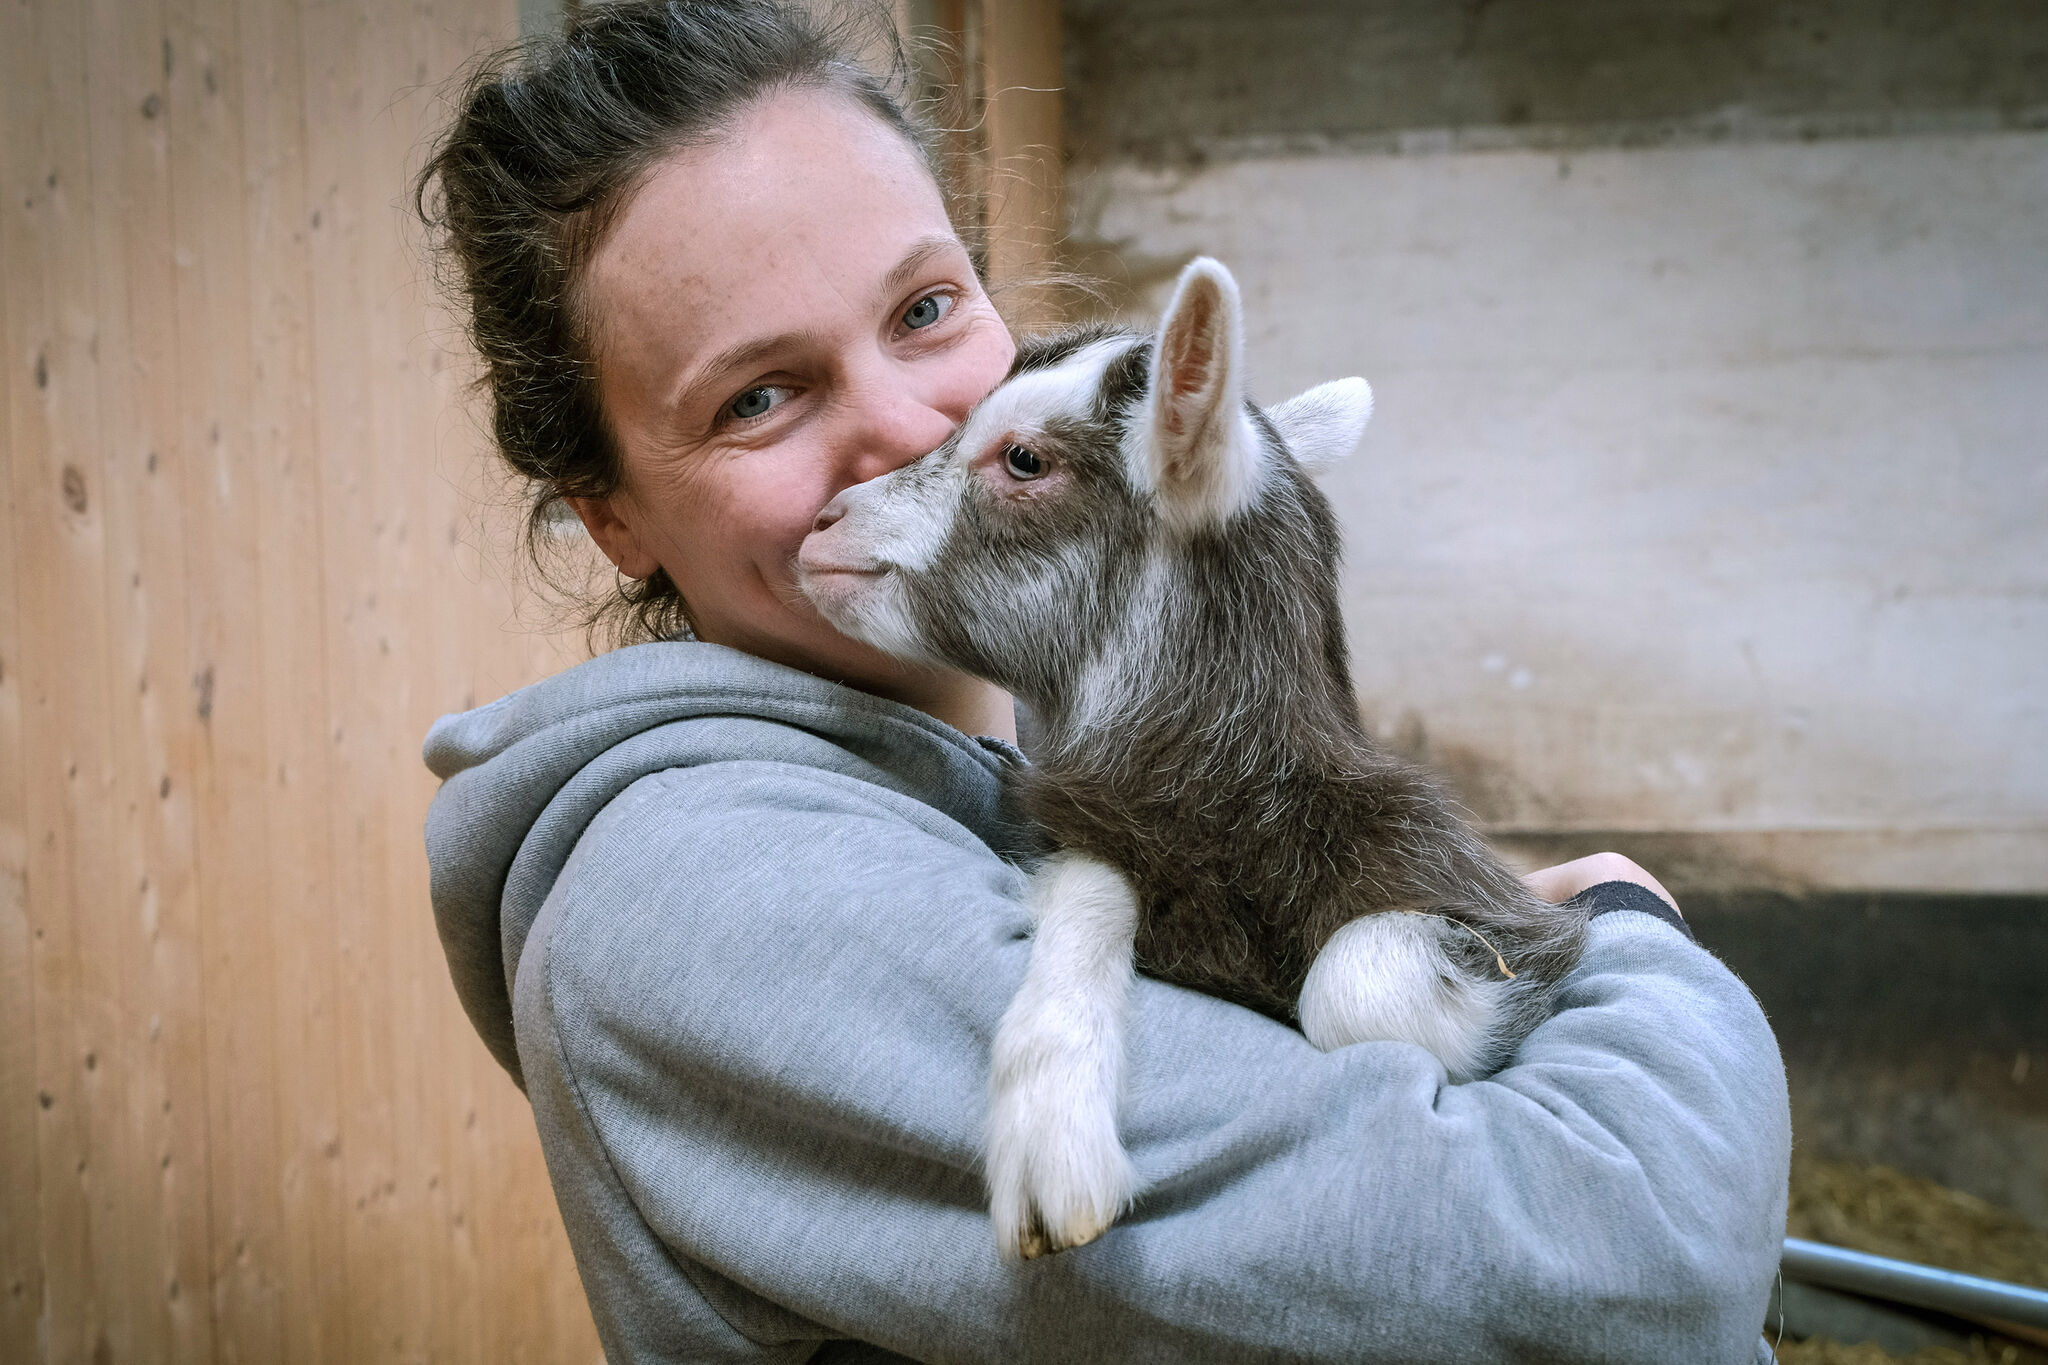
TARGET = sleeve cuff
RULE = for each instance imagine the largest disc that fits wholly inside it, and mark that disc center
(1607, 897)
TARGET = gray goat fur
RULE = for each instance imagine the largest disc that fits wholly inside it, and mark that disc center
(1237, 788)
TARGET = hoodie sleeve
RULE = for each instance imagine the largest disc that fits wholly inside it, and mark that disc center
(755, 1018)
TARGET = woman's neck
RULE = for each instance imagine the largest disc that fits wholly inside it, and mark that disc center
(969, 705)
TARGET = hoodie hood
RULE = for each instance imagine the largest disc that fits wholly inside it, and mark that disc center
(522, 778)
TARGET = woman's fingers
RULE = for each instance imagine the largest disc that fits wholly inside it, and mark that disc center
(1559, 884)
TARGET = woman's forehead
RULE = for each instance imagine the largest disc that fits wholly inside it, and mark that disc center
(788, 221)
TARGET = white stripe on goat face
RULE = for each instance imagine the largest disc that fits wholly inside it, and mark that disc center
(851, 570)
(903, 519)
(1062, 393)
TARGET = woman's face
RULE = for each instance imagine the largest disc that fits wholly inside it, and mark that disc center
(778, 314)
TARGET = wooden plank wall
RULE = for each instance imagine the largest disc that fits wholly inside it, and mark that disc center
(249, 549)
(245, 564)
(994, 68)
(1026, 208)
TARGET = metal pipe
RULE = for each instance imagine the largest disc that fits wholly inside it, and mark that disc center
(1922, 1286)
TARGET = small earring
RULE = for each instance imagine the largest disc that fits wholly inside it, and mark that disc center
(619, 581)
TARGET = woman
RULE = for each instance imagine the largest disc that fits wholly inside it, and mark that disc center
(740, 908)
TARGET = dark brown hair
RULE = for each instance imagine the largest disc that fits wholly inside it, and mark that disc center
(550, 137)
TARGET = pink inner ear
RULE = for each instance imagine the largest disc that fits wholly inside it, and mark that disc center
(1191, 355)
(1194, 349)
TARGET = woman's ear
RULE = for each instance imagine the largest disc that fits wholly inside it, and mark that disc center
(614, 535)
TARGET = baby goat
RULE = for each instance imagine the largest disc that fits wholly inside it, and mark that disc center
(1119, 538)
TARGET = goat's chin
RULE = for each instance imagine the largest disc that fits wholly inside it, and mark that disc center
(858, 604)
(836, 593)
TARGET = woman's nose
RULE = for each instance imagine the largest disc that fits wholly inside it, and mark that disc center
(895, 425)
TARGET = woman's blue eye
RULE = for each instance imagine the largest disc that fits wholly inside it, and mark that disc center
(927, 310)
(754, 402)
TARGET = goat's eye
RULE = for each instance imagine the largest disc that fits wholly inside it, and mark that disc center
(1021, 463)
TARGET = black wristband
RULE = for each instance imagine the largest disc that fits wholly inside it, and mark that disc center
(1607, 897)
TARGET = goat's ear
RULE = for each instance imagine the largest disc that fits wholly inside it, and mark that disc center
(1204, 454)
(1322, 425)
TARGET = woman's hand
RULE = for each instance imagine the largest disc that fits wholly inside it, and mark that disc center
(1559, 884)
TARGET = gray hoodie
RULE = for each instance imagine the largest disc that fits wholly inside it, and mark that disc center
(745, 936)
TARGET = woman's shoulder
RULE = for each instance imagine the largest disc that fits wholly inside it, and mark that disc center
(674, 761)
(711, 909)
(623, 691)
(744, 846)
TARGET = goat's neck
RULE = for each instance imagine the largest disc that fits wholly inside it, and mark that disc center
(1239, 687)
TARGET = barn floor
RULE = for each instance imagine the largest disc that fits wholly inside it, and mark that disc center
(1915, 1035)
(1889, 1213)
(1977, 1352)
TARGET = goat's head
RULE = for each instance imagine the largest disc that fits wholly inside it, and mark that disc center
(1074, 503)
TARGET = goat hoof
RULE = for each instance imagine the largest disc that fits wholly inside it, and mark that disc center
(1034, 1244)
(1035, 1223)
(1038, 1241)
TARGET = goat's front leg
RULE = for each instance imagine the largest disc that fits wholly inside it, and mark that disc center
(1057, 1174)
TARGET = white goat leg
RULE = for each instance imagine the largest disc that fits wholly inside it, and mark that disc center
(1387, 978)
(1057, 1173)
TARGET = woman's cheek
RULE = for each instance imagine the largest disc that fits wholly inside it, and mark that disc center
(783, 511)
(985, 359)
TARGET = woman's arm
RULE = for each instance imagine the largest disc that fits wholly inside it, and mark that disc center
(755, 1017)
(1559, 884)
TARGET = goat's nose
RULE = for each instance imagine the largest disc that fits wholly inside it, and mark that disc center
(830, 513)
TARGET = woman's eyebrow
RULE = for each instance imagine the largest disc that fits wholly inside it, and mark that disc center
(744, 354)
(921, 254)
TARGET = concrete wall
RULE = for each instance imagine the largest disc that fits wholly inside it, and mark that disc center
(1706, 509)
